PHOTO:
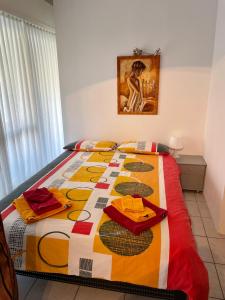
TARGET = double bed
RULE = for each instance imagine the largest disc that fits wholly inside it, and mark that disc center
(83, 245)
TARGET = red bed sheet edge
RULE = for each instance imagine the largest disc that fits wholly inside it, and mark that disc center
(186, 271)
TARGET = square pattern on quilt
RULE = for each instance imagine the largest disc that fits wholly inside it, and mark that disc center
(102, 185)
(114, 174)
(114, 165)
(82, 227)
(101, 202)
(141, 145)
(85, 267)
(57, 183)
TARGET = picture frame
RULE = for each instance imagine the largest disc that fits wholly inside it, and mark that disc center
(138, 84)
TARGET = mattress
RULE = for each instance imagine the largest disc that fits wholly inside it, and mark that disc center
(83, 241)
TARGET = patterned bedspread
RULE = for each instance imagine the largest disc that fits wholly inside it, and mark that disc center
(83, 240)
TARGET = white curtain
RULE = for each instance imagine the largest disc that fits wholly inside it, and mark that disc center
(31, 132)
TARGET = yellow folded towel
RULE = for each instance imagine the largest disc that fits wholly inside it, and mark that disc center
(137, 215)
(29, 216)
(128, 203)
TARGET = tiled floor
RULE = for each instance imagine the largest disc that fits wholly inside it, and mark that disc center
(210, 244)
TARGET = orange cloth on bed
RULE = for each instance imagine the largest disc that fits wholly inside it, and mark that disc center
(132, 209)
(29, 216)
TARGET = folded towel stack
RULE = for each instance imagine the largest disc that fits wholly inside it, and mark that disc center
(41, 200)
(38, 204)
(133, 208)
(141, 218)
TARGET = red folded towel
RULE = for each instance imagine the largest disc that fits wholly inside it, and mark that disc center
(41, 200)
(37, 195)
(135, 227)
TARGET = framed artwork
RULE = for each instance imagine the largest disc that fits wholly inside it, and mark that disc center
(138, 84)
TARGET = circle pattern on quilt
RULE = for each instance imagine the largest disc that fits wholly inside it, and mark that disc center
(107, 160)
(121, 241)
(68, 193)
(97, 179)
(80, 218)
(138, 167)
(105, 153)
(92, 170)
(39, 249)
(131, 188)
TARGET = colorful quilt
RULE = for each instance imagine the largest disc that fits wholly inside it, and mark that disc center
(84, 241)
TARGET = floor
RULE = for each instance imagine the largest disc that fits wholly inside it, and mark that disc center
(211, 247)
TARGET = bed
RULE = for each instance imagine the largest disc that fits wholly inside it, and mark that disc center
(82, 245)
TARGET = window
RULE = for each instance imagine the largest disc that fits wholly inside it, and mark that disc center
(31, 132)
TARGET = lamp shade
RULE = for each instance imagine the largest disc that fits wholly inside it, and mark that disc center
(175, 143)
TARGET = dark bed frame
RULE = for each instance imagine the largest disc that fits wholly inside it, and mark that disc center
(91, 282)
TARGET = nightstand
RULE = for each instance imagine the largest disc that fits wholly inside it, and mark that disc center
(193, 168)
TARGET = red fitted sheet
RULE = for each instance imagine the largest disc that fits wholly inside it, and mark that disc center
(186, 270)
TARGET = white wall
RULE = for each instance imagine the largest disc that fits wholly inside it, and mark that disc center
(215, 128)
(91, 34)
(37, 11)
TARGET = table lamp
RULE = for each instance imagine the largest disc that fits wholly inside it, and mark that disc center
(175, 145)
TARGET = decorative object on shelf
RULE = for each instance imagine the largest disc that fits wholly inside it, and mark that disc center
(137, 51)
(138, 83)
(175, 145)
(157, 51)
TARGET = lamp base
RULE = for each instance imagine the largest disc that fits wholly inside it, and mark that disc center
(175, 153)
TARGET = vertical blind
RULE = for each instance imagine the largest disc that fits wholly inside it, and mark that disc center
(31, 131)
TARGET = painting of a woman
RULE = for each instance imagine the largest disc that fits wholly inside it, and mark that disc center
(134, 84)
(138, 79)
